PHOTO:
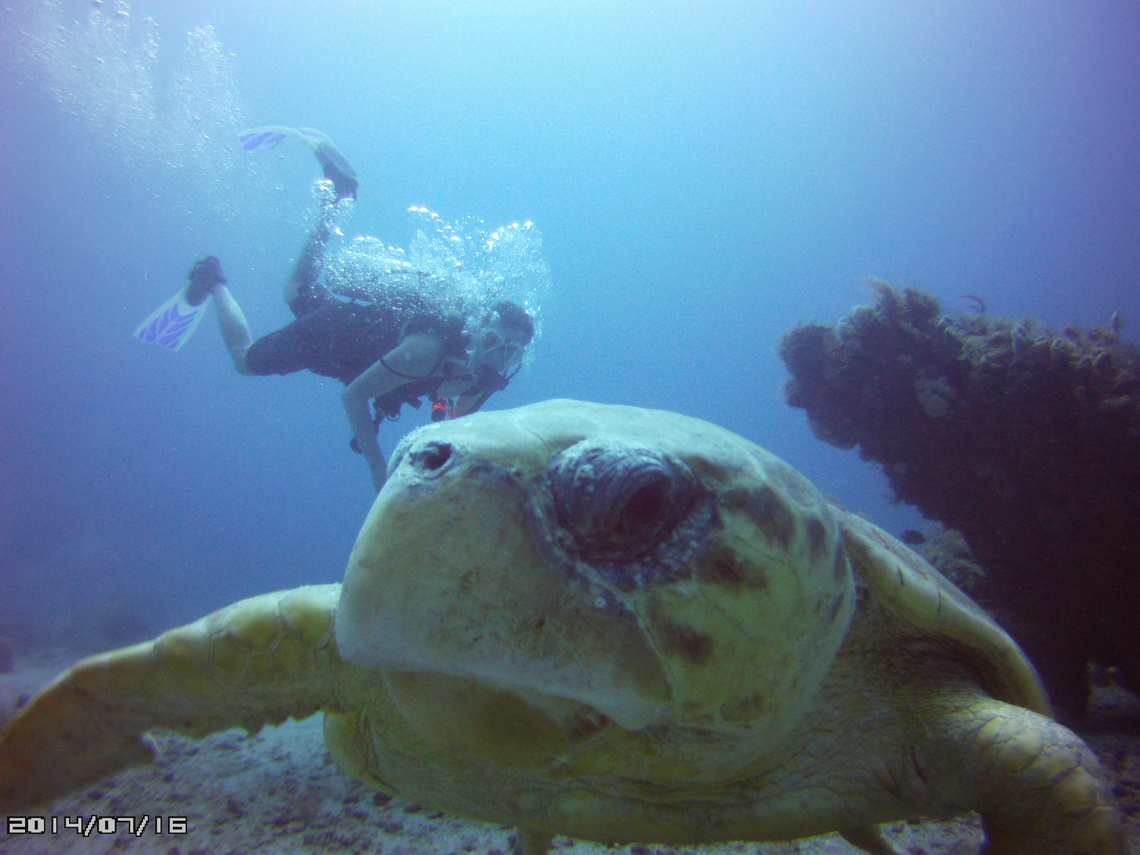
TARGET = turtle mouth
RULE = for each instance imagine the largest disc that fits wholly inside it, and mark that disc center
(496, 724)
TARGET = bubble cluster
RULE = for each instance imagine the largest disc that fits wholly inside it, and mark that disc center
(176, 127)
(464, 267)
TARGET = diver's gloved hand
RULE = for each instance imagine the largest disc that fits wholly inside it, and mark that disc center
(204, 276)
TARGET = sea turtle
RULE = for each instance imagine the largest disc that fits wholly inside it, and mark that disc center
(619, 625)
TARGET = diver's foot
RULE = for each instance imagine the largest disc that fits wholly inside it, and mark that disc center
(203, 277)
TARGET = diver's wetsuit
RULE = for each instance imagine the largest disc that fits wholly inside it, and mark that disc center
(336, 338)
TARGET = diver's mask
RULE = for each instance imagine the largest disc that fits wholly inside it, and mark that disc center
(498, 351)
(498, 358)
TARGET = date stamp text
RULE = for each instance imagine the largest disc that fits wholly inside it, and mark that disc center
(96, 824)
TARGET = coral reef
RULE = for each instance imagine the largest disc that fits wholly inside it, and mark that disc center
(1025, 440)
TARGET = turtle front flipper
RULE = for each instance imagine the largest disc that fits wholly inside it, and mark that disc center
(1037, 786)
(258, 661)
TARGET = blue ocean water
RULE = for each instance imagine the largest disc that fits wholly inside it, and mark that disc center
(705, 176)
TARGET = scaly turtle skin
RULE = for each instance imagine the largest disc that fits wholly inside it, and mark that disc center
(620, 625)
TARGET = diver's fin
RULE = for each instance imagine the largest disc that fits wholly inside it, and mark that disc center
(172, 323)
(338, 170)
(260, 137)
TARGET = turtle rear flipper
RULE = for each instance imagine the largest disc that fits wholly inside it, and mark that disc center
(256, 662)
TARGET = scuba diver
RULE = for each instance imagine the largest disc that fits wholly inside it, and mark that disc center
(388, 353)
(366, 347)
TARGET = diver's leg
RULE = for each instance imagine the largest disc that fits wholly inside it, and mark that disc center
(235, 329)
(206, 278)
(303, 293)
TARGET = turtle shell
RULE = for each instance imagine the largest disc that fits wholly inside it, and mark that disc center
(912, 591)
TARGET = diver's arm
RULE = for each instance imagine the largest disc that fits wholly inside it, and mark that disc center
(417, 355)
(311, 264)
(360, 419)
(469, 402)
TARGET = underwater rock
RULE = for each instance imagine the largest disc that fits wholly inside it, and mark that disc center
(949, 552)
(1025, 440)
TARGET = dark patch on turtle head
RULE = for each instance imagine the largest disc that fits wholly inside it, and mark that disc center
(817, 538)
(722, 470)
(766, 509)
(685, 642)
(720, 565)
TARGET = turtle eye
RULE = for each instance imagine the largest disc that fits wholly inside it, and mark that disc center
(619, 500)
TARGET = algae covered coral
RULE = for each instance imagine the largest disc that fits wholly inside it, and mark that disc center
(1024, 439)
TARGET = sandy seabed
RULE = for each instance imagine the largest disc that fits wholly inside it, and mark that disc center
(280, 792)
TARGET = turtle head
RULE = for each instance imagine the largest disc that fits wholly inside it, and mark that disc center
(555, 580)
